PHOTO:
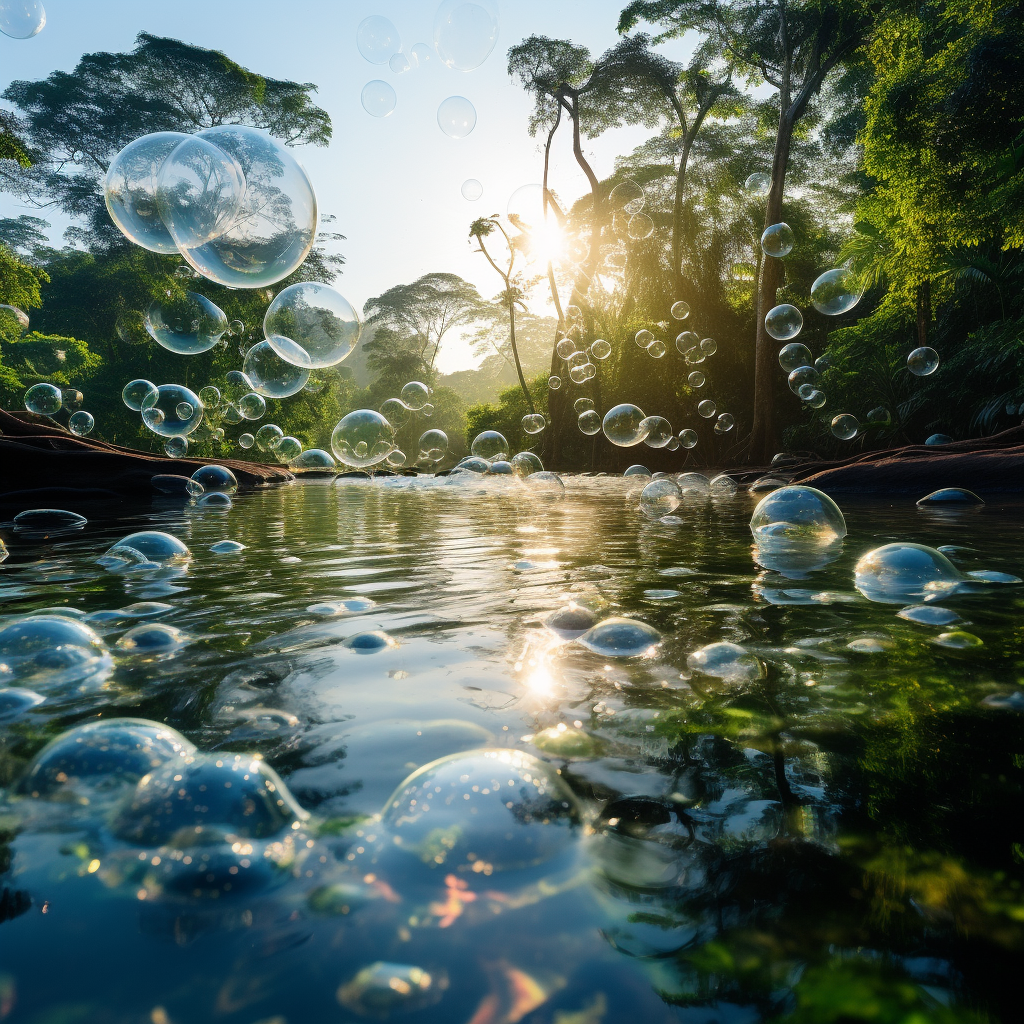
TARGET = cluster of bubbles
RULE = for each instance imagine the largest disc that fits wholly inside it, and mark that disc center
(47, 400)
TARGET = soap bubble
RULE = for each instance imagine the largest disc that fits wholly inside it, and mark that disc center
(879, 416)
(472, 190)
(44, 399)
(377, 39)
(726, 421)
(129, 190)
(102, 755)
(707, 408)
(415, 395)
(657, 431)
(160, 411)
(490, 445)
(783, 322)
(229, 414)
(395, 411)
(589, 421)
(815, 399)
(456, 117)
(378, 98)
(685, 341)
(600, 349)
(627, 196)
(693, 485)
(688, 438)
(759, 183)
(252, 406)
(473, 464)
(794, 355)
(434, 444)
(533, 423)
(778, 240)
(845, 426)
(81, 423)
(656, 349)
(802, 377)
(151, 546)
(276, 225)
(246, 441)
(578, 375)
(216, 478)
(22, 19)
(209, 396)
(900, 573)
(287, 449)
(554, 382)
(695, 379)
(546, 485)
(40, 651)
(363, 438)
(176, 447)
(939, 439)
(153, 639)
(797, 516)
(643, 338)
(693, 356)
(465, 32)
(722, 486)
(660, 497)
(311, 325)
(619, 637)
(399, 64)
(836, 291)
(526, 463)
(565, 348)
(71, 399)
(199, 190)
(582, 405)
(268, 436)
(709, 346)
(923, 361)
(385, 989)
(184, 410)
(622, 425)
(640, 226)
(186, 324)
(680, 310)
(270, 375)
(313, 458)
(236, 384)
(726, 661)
(47, 522)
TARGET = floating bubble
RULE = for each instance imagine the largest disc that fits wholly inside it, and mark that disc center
(600, 349)
(362, 438)
(802, 377)
(270, 375)
(472, 190)
(680, 310)
(939, 439)
(923, 361)
(709, 346)
(153, 639)
(526, 463)
(377, 39)
(726, 661)
(378, 98)
(246, 441)
(395, 411)
(622, 425)
(688, 437)
(900, 573)
(465, 32)
(216, 478)
(784, 322)
(686, 341)
(288, 448)
(627, 196)
(252, 406)
(657, 431)
(160, 411)
(815, 399)
(656, 349)
(81, 423)
(209, 396)
(581, 405)
(951, 496)
(695, 379)
(184, 410)
(490, 445)
(72, 399)
(546, 485)
(660, 497)
(759, 183)
(428, 410)
(399, 64)
(565, 348)
(268, 437)
(43, 399)
(778, 240)
(434, 444)
(836, 291)
(311, 325)
(706, 408)
(643, 338)
(726, 421)
(415, 395)
(385, 989)
(693, 356)
(176, 447)
(589, 421)
(640, 226)
(456, 117)
(693, 485)
(794, 355)
(554, 382)
(845, 426)
(40, 651)
(578, 375)
(313, 458)
(879, 416)
(797, 516)
(637, 470)
(619, 637)
(15, 701)
(22, 19)
(186, 324)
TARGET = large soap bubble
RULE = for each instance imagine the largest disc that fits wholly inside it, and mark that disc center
(657, 431)
(311, 325)
(44, 399)
(130, 187)
(22, 19)
(313, 458)
(923, 361)
(362, 438)
(758, 183)
(777, 240)
(456, 117)
(794, 355)
(271, 376)
(619, 637)
(276, 225)
(161, 412)
(378, 98)
(836, 291)
(153, 546)
(81, 423)
(433, 445)
(623, 425)
(726, 661)
(186, 324)
(40, 651)
(415, 395)
(783, 322)
(845, 426)
(900, 573)
(465, 32)
(797, 516)
(490, 445)
(377, 39)
(660, 497)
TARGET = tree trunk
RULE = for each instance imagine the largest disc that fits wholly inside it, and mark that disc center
(924, 311)
(677, 213)
(515, 350)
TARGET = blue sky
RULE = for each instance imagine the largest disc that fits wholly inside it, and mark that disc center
(394, 183)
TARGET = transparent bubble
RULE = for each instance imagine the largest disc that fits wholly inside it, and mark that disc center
(797, 516)
(160, 411)
(582, 405)
(693, 485)
(490, 445)
(153, 639)
(899, 573)
(686, 341)
(44, 399)
(694, 356)
(428, 410)
(473, 464)
(465, 32)
(276, 225)
(759, 183)
(246, 441)
(627, 196)
(836, 291)
(879, 416)
(533, 423)
(176, 447)
(816, 399)
(81, 423)
(187, 323)
(415, 395)
(184, 410)
(501, 468)
(399, 64)
(363, 438)
(923, 361)
(378, 98)
(525, 463)
(229, 414)
(801, 377)
(472, 190)
(695, 379)
(311, 325)
(270, 375)
(42, 651)
(600, 349)
(554, 382)
(252, 406)
(722, 485)
(288, 448)
(778, 240)
(794, 355)
(643, 338)
(268, 436)
(313, 458)
(622, 425)
(396, 459)
(657, 431)
(377, 39)
(395, 411)
(726, 421)
(784, 322)
(656, 349)
(637, 470)
(546, 485)
(660, 497)
(589, 421)
(619, 637)
(939, 439)
(709, 346)
(680, 310)
(640, 226)
(216, 478)
(707, 408)
(382, 990)
(434, 444)
(845, 426)
(130, 187)
(47, 522)
(71, 399)
(726, 661)
(456, 117)
(688, 438)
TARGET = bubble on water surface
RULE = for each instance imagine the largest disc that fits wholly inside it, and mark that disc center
(546, 485)
(898, 573)
(42, 651)
(385, 989)
(622, 425)
(836, 291)
(562, 741)
(349, 606)
(660, 497)
(22, 19)
(153, 546)
(47, 522)
(928, 615)
(378, 98)
(777, 240)
(845, 426)
(311, 325)
(465, 32)
(693, 485)
(216, 502)
(570, 621)
(227, 547)
(362, 438)
(784, 322)
(923, 361)
(726, 661)
(524, 464)
(456, 117)
(489, 444)
(15, 701)
(216, 478)
(722, 486)
(152, 639)
(958, 639)
(797, 516)
(44, 399)
(620, 637)
(313, 458)
(869, 645)
(637, 470)
(370, 642)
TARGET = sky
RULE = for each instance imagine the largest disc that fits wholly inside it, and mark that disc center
(393, 183)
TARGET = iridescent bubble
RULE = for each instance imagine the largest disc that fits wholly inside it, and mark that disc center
(456, 117)
(434, 444)
(657, 431)
(43, 651)
(313, 458)
(377, 39)
(622, 425)
(465, 32)
(695, 379)
(176, 447)
(784, 322)
(526, 463)
(726, 421)
(363, 438)
(81, 423)
(688, 438)
(845, 426)
(216, 478)
(640, 226)
(43, 399)
(268, 436)
(378, 98)
(589, 421)
(472, 190)
(923, 361)
(939, 439)
(246, 441)
(759, 183)
(778, 240)
(709, 346)
(287, 449)
(643, 338)
(311, 325)
(533, 423)
(900, 573)
(415, 395)
(656, 349)
(71, 399)
(490, 445)
(627, 196)
(160, 411)
(801, 377)
(660, 497)
(554, 382)
(726, 661)
(836, 291)
(680, 310)
(797, 516)
(620, 637)
(600, 349)
(270, 375)
(794, 355)
(382, 990)
(707, 408)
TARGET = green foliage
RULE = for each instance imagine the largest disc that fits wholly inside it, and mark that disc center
(506, 417)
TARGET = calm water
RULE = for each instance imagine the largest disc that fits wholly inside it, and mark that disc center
(842, 839)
